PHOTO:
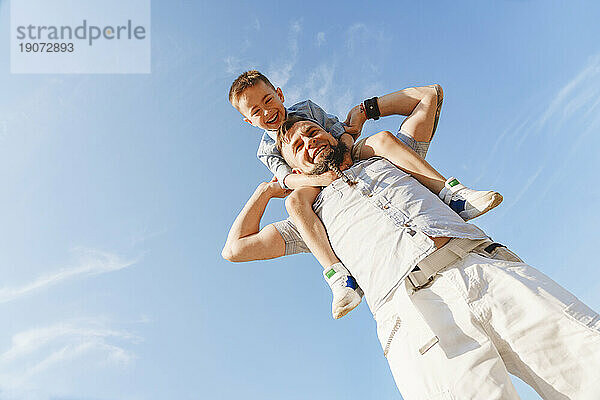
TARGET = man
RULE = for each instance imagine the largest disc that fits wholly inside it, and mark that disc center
(455, 312)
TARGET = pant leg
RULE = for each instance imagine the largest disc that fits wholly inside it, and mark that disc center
(464, 364)
(546, 336)
(420, 148)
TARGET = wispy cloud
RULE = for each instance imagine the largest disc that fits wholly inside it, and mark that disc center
(89, 262)
(3, 130)
(575, 94)
(33, 340)
(144, 235)
(325, 82)
(280, 72)
(372, 89)
(574, 104)
(37, 355)
(530, 180)
(320, 81)
(233, 65)
(356, 34)
(320, 39)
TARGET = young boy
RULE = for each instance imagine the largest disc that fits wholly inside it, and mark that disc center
(261, 104)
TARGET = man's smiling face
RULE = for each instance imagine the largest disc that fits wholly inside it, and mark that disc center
(306, 143)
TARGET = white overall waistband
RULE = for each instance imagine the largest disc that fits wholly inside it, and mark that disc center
(454, 250)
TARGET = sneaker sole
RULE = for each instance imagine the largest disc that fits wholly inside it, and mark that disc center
(493, 203)
(346, 311)
(349, 307)
(496, 200)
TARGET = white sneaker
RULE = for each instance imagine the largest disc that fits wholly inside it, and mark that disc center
(346, 292)
(468, 203)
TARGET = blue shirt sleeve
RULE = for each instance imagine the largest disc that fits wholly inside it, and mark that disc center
(329, 122)
(270, 156)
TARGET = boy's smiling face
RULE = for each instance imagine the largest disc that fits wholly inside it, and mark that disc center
(262, 106)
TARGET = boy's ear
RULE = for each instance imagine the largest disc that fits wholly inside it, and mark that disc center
(296, 171)
(280, 94)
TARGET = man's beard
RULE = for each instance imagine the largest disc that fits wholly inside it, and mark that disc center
(332, 160)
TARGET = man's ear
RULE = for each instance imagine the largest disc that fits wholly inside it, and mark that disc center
(248, 121)
(280, 94)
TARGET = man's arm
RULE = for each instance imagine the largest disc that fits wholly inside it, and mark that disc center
(246, 241)
(422, 105)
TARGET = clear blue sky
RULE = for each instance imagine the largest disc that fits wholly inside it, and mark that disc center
(118, 190)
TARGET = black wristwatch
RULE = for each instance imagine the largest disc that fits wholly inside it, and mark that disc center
(372, 109)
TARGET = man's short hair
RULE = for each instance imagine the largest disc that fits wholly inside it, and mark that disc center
(245, 81)
(286, 126)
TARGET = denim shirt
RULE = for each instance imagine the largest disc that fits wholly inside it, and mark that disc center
(380, 228)
(267, 149)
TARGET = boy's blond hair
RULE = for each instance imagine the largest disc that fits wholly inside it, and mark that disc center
(245, 81)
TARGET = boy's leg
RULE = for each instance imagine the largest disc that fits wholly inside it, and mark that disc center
(385, 144)
(346, 293)
(465, 202)
(299, 206)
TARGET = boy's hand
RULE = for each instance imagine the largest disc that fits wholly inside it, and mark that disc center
(355, 120)
(326, 178)
(295, 181)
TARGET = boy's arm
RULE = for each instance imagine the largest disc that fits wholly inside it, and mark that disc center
(295, 181)
(246, 241)
(269, 155)
(413, 102)
(348, 140)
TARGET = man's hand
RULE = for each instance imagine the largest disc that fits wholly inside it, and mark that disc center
(246, 241)
(274, 189)
(355, 120)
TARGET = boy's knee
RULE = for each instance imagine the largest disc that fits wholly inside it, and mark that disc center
(433, 97)
(383, 139)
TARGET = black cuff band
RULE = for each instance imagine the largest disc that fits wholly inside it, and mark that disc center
(372, 109)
